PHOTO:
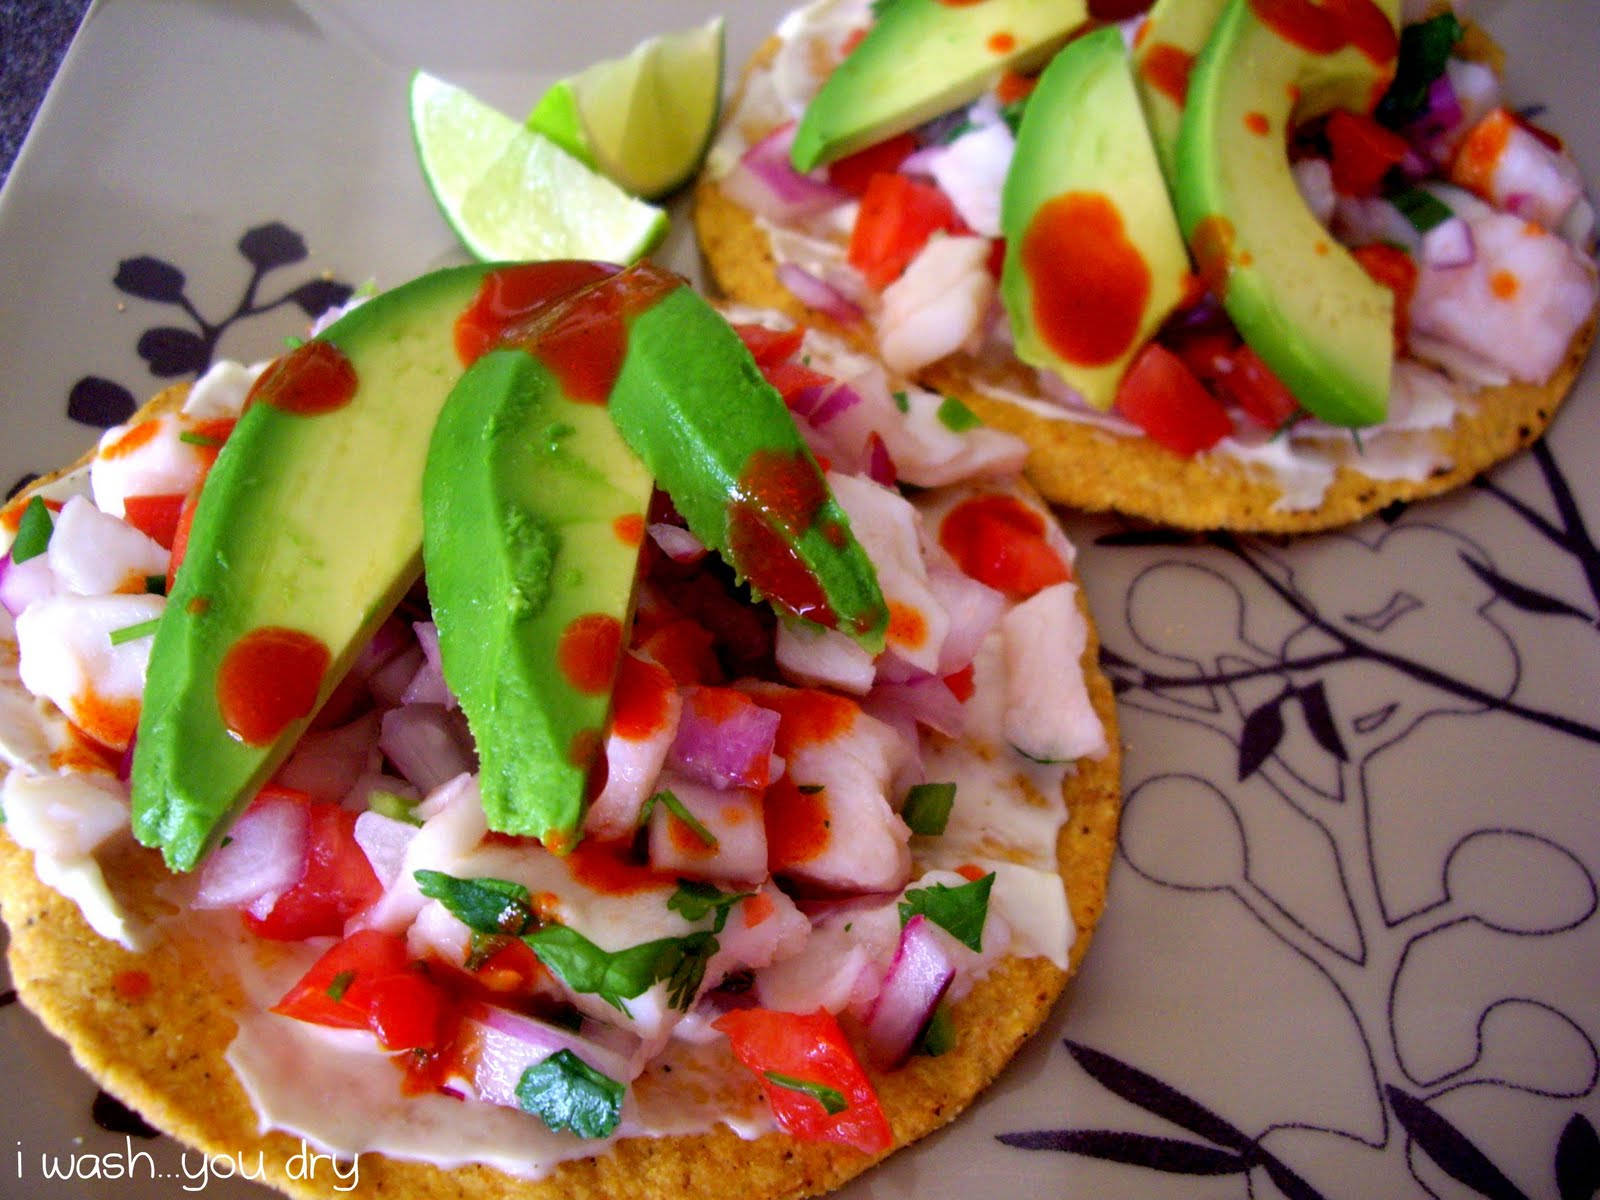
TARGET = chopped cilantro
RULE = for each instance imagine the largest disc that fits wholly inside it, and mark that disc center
(1012, 113)
(831, 1098)
(927, 807)
(565, 1092)
(1422, 208)
(132, 633)
(956, 416)
(940, 1035)
(959, 911)
(902, 401)
(397, 807)
(621, 975)
(155, 585)
(694, 900)
(340, 984)
(668, 800)
(192, 438)
(1424, 50)
(482, 905)
(33, 532)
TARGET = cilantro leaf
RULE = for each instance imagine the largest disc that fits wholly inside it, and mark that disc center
(482, 905)
(960, 911)
(956, 416)
(694, 900)
(565, 1092)
(927, 807)
(831, 1098)
(621, 975)
(669, 800)
(1424, 50)
(33, 532)
(940, 1035)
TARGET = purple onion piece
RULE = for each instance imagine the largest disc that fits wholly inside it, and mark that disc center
(918, 978)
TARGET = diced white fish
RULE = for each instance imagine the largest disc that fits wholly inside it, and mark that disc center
(145, 458)
(1505, 163)
(762, 929)
(889, 530)
(1516, 305)
(1049, 716)
(1314, 178)
(634, 757)
(66, 656)
(220, 393)
(94, 554)
(835, 966)
(452, 826)
(736, 852)
(971, 170)
(816, 657)
(940, 305)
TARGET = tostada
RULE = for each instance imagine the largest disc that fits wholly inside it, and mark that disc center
(1249, 265)
(580, 744)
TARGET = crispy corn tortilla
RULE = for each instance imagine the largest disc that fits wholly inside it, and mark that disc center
(1092, 470)
(163, 1052)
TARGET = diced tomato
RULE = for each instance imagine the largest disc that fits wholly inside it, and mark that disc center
(513, 968)
(812, 1049)
(897, 217)
(790, 379)
(854, 172)
(1253, 386)
(999, 541)
(338, 881)
(180, 533)
(215, 430)
(961, 683)
(1161, 396)
(338, 989)
(1397, 271)
(406, 1010)
(155, 516)
(1363, 152)
(1206, 352)
(769, 346)
(684, 648)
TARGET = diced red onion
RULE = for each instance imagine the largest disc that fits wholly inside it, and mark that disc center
(1442, 114)
(498, 1045)
(973, 609)
(384, 840)
(392, 638)
(818, 294)
(327, 765)
(918, 978)
(764, 182)
(880, 466)
(1449, 244)
(425, 744)
(264, 856)
(389, 683)
(676, 542)
(427, 686)
(927, 701)
(23, 583)
(724, 739)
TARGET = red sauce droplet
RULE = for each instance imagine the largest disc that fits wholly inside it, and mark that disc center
(1257, 123)
(808, 717)
(999, 541)
(907, 626)
(588, 651)
(1014, 86)
(605, 867)
(1329, 27)
(312, 379)
(1211, 243)
(511, 298)
(1089, 282)
(629, 528)
(138, 435)
(1002, 42)
(269, 679)
(642, 699)
(777, 499)
(1167, 68)
(797, 824)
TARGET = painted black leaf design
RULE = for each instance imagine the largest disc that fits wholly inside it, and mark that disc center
(1147, 537)
(1150, 1094)
(1290, 1184)
(172, 351)
(1520, 595)
(1449, 1148)
(272, 245)
(1578, 1160)
(100, 402)
(150, 279)
(1136, 1149)
(1319, 718)
(318, 296)
(21, 483)
(1261, 735)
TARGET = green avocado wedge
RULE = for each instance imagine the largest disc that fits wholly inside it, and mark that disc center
(1172, 37)
(1094, 260)
(533, 516)
(1301, 301)
(307, 533)
(921, 58)
(692, 403)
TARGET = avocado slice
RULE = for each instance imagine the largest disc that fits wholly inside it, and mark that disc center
(692, 403)
(1301, 302)
(1169, 42)
(533, 517)
(923, 58)
(1094, 260)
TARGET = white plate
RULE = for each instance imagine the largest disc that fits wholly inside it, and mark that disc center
(1352, 947)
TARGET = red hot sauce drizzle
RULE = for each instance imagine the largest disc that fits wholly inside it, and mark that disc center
(269, 679)
(1329, 27)
(312, 379)
(1089, 282)
(779, 495)
(1167, 68)
(513, 298)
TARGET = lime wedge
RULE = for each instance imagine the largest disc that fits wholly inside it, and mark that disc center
(510, 193)
(645, 119)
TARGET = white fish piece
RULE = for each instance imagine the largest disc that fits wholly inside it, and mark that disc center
(94, 554)
(1049, 716)
(1528, 178)
(453, 825)
(632, 766)
(971, 170)
(939, 305)
(1314, 178)
(220, 393)
(761, 930)
(145, 458)
(737, 852)
(817, 657)
(826, 972)
(66, 656)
